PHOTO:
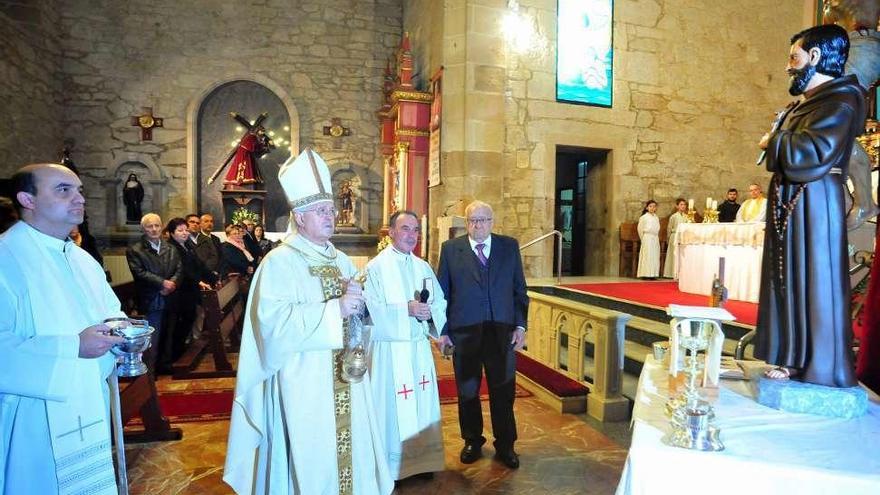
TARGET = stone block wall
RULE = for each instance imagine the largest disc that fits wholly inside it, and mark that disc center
(30, 84)
(696, 84)
(327, 56)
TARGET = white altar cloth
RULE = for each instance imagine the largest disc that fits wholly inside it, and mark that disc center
(766, 451)
(700, 245)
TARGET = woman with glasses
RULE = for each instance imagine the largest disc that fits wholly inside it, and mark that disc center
(236, 257)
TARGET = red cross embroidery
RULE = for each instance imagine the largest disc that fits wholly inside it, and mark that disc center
(424, 382)
(405, 392)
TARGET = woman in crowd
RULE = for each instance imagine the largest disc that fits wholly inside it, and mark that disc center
(265, 244)
(679, 217)
(236, 257)
(195, 276)
(649, 233)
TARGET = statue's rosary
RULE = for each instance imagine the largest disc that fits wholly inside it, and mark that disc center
(781, 215)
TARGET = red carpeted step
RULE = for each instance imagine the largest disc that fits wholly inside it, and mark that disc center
(554, 381)
(662, 294)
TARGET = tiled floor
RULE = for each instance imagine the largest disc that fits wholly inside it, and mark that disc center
(560, 454)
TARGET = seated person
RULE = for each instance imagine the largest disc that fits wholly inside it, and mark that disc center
(236, 257)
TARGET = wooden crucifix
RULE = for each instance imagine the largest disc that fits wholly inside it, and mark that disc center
(146, 121)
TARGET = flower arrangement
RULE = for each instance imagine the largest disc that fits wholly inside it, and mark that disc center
(242, 214)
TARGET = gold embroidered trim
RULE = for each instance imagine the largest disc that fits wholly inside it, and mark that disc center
(314, 198)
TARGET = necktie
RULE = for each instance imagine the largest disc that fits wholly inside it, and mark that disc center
(483, 260)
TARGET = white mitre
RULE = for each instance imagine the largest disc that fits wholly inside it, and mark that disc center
(305, 180)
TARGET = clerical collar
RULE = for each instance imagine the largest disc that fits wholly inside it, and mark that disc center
(399, 252)
(50, 242)
(312, 251)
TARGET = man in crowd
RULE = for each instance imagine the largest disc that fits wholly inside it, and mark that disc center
(207, 244)
(803, 317)
(155, 266)
(753, 209)
(728, 209)
(53, 390)
(402, 370)
(297, 426)
(482, 276)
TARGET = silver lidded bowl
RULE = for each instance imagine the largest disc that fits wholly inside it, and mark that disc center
(137, 334)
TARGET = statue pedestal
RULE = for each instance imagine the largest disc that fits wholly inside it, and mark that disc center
(250, 199)
(807, 398)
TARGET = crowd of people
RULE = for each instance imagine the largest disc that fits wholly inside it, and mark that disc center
(754, 209)
(171, 264)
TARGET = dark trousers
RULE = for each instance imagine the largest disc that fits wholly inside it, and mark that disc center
(486, 346)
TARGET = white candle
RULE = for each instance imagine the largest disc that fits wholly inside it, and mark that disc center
(691, 204)
(708, 202)
(714, 204)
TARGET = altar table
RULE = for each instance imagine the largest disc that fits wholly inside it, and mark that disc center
(700, 245)
(766, 451)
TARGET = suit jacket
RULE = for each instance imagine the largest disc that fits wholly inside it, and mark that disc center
(459, 276)
(209, 251)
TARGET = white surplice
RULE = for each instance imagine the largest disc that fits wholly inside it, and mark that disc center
(403, 378)
(54, 406)
(283, 433)
(649, 253)
(670, 270)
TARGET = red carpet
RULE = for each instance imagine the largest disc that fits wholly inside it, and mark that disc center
(193, 406)
(662, 294)
(448, 394)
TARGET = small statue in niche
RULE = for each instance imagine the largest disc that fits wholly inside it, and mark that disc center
(133, 197)
(346, 199)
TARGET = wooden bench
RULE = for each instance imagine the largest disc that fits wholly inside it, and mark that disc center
(138, 396)
(555, 389)
(224, 316)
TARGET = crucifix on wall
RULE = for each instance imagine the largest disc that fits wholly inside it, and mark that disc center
(146, 121)
(336, 130)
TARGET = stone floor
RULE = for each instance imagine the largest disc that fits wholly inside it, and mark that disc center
(560, 454)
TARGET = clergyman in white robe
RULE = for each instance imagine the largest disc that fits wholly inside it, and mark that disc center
(54, 405)
(286, 434)
(649, 253)
(402, 373)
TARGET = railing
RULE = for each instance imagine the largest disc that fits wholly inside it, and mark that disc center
(558, 251)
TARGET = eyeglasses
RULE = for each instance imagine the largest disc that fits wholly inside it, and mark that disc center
(324, 211)
(479, 221)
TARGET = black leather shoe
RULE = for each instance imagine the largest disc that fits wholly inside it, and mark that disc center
(509, 458)
(470, 453)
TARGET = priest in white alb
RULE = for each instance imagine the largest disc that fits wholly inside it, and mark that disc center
(406, 304)
(753, 209)
(297, 427)
(54, 297)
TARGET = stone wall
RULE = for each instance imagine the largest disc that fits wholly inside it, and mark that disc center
(325, 57)
(695, 86)
(30, 84)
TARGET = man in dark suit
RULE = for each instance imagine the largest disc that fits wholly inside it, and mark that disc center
(482, 276)
(207, 244)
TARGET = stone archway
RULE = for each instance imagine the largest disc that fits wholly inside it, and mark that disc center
(195, 145)
(154, 181)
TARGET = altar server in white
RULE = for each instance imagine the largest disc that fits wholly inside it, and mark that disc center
(649, 233)
(402, 372)
(54, 408)
(677, 218)
(296, 427)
